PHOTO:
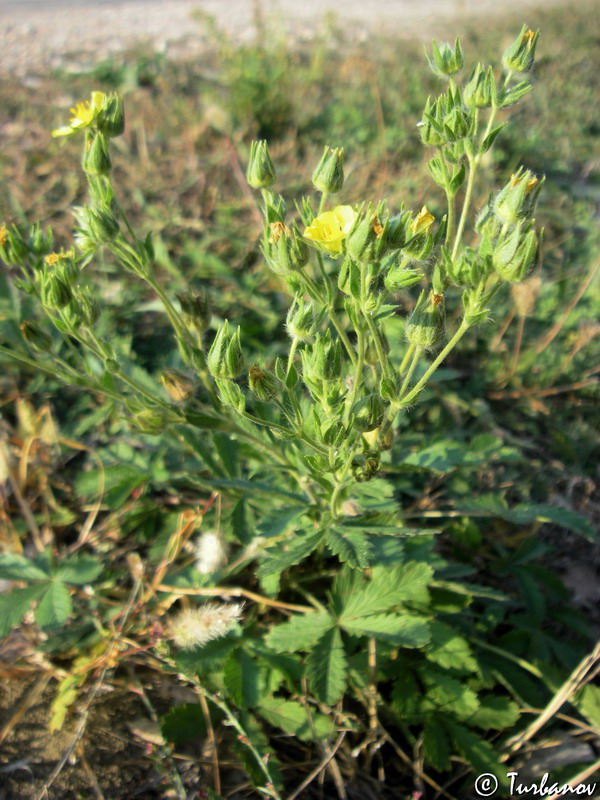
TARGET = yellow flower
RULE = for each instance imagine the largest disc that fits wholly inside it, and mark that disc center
(423, 221)
(330, 228)
(83, 115)
(3, 235)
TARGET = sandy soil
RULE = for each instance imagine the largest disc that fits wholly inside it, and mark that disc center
(41, 34)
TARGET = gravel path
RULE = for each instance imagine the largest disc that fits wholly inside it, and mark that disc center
(40, 34)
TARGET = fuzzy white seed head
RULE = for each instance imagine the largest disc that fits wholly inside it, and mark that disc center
(194, 627)
(211, 553)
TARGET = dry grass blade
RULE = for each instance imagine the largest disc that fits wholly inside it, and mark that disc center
(319, 768)
(30, 700)
(588, 772)
(578, 678)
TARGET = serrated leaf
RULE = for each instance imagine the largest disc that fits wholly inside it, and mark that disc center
(67, 693)
(407, 697)
(14, 567)
(476, 750)
(241, 677)
(55, 605)
(351, 547)
(255, 733)
(79, 570)
(14, 606)
(300, 632)
(291, 717)
(495, 713)
(326, 667)
(436, 745)
(278, 520)
(449, 649)
(286, 554)
(184, 723)
(448, 694)
(402, 631)
(388, 588)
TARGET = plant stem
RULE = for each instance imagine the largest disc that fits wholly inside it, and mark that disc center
(413, 365)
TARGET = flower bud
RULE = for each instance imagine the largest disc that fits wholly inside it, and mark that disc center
(225, 359)
(303, 320)
(152, 421)
(231, 394)
(96, 226)
(368, 412)
(56, 294)
(274, 208)
(430, 127)
(480, 91)
(447, 60)
(324, 361)
(261, 172)
(196, 310)
(263, 385)
(365, 466)
(284, 249)
(40, 242)
(328, 177)
(396, 234)
(425, 326)
(457, 124)
(96, 159)
(512, 262)
(519, 56)
(367, 241)
(111, 120)
(35, 336)
(12, 246)
(518, 198)
(179, 386)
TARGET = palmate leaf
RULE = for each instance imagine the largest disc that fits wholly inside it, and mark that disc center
(241, 676)
(407, 698)
(14, 567)
(476, 750)
(291, 717)
(449, 649)
(326, 667)
(388, 588)
(402, 631)
(351, 547)
(55, 605)
(14, 606)
(286, 554)
(448, 694)
(79, 569)
(495, 713)
(300, 632)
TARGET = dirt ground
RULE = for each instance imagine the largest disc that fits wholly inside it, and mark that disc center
(41, 34)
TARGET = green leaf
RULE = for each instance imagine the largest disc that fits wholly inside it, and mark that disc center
(402, 631)
(14, 567)
(407, 697)
(326, 667)
(79, 569)
(288, 553)
(436, 745)
(351, 547)
(443, 456)
(184, 723)
(388, 588)
(18, 568)
(300, 632)
(449, 694)
(254, 731)
(492, 136)
(55, 606)
(14, 606)
(277, 521)
(449, 649)
(88, 484)
(476, 750)
(495, 713)
(241, 677)
(588, 704)
(291, 717)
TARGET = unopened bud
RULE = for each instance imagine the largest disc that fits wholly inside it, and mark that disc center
(328, 177)
(519, 56)
(35, 336)
(111, 120)
(261, 171)
(367, 241)
(56, 294)
(447, 60)
(367, 414)
(425, 326)
(284, 249)
(517, 200)
(303, 320)
(96, 159)
(225, 359)
(480, 91)
(263, 385)
(196, 310)
(514, 262)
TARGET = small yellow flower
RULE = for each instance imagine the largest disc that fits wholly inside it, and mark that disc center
(423, 221)
(529, 36)
(53, 258)
(330, 228)
(83, 115)
(3, 235)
